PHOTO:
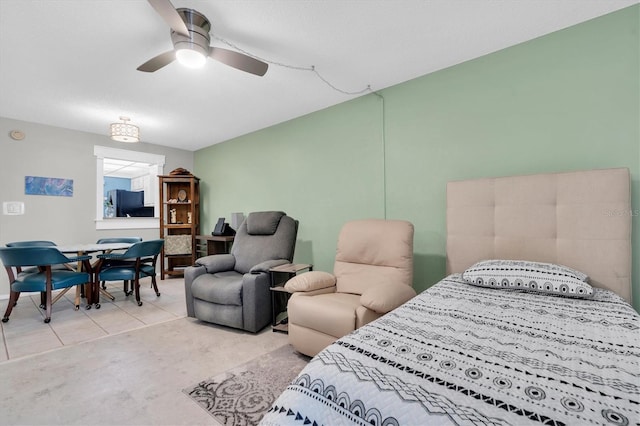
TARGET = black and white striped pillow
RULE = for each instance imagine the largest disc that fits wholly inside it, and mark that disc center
(524, 275)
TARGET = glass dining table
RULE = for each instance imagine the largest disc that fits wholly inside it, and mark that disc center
(88, 249)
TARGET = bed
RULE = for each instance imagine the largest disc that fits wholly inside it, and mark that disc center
(489, 344)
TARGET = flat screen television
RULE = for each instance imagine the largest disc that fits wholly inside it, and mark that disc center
(129, 203)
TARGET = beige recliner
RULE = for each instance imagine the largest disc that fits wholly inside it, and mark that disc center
(372, 275)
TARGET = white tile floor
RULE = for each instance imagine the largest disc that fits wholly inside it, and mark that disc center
(26, 333)
(120, 365)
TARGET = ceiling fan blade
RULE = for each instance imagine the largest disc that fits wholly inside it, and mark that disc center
(154, 64)
(170, 16)
(238, 60)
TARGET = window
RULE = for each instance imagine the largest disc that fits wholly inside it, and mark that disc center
(131, 165)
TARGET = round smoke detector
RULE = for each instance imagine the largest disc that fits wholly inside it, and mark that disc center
(16, 135)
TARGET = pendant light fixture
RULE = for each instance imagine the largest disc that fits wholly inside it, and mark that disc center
(125, 132)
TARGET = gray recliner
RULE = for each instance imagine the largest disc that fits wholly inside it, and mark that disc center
(233, 289)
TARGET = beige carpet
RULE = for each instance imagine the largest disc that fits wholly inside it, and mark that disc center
(242, 395)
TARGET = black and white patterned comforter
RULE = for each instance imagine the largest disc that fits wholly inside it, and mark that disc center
(464, 355)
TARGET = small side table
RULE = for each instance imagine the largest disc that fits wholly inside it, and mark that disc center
(213, 244)
(279, 296)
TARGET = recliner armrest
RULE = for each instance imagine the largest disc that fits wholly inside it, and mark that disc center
(310, 281)
(266, 265)
(217, 262)
(385, 298)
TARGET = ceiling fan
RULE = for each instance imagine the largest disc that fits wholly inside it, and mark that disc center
(190, 37)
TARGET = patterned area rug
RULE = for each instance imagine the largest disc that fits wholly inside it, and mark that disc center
(242, 395)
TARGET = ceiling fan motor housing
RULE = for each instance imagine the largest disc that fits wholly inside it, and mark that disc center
(191, 43)
(198, 26)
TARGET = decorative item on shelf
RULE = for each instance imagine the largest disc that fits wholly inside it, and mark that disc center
(109, 210)
(125, 132)
(180, 172)
(182, 196)
(189, 217)
(173, 214)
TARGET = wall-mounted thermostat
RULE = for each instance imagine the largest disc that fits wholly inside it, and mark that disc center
(13, 208)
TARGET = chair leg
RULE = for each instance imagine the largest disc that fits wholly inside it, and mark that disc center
(43, 300)
(128, 292)
(77, 298)
(95, 293)
(155, 286)
(47, 317)
(91, 288)
(136, 286)
(13, 300)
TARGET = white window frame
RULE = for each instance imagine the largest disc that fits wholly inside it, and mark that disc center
(102, 152)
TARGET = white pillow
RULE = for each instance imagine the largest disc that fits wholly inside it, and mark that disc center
(538, 277)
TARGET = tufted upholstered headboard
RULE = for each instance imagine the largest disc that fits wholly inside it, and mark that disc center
(578, 219)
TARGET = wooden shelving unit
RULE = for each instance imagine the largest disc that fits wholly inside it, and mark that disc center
(179, 222)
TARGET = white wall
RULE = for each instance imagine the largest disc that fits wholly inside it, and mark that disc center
(61, 153)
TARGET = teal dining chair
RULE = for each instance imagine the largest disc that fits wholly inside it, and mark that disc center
(138, 261)
(37, 243)
(31, 243)
(113, 262)
(45, 278)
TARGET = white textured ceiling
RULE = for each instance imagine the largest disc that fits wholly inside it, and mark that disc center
(72, 63)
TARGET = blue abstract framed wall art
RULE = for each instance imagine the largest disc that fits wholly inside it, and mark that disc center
(57, 187)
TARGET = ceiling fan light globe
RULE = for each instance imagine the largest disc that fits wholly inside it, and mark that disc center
(191, 58)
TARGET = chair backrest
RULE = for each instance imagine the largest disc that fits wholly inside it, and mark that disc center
(373, 252)
(143, 249)
(31, 256)
(264, 236)
(34, 243)
(119, 240)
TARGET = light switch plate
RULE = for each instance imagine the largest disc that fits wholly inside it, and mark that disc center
(13, 208)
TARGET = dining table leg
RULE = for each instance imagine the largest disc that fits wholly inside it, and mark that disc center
(89, 293)
(95, 283)
(84, 265)
(77, 298)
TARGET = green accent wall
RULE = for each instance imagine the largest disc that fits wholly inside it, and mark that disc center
(566, 101)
